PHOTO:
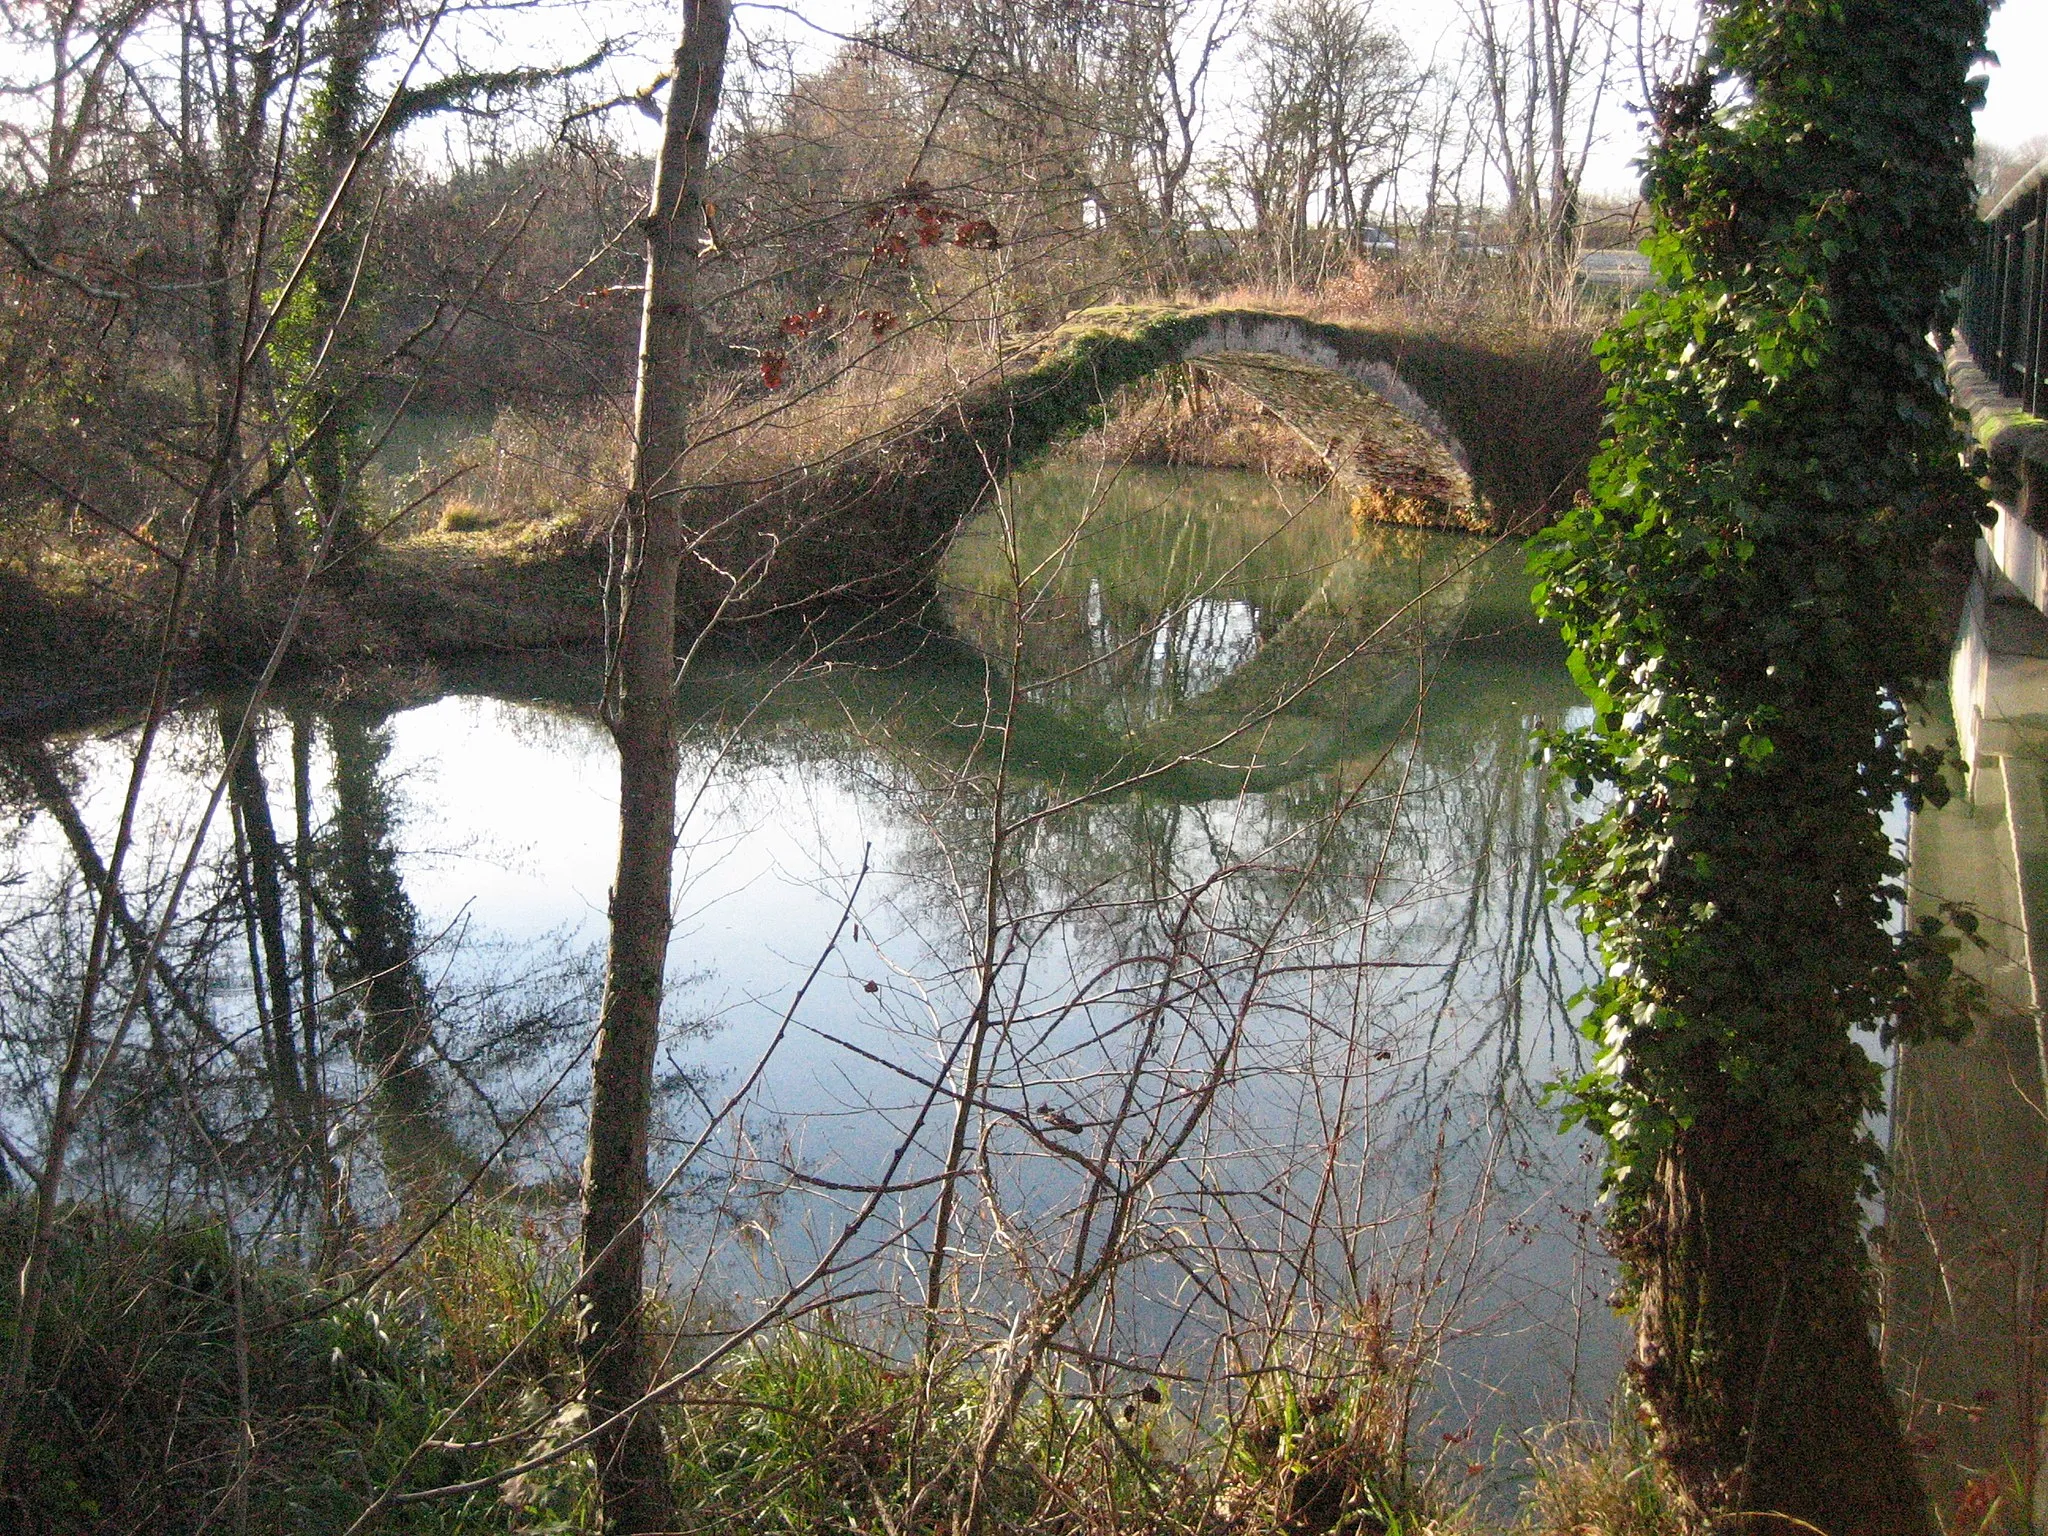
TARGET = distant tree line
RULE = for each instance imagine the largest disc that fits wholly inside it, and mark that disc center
(233, 239)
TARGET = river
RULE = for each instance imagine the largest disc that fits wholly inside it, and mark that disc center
(1182, 892)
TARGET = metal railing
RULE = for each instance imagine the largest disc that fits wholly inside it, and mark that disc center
(2005, 297)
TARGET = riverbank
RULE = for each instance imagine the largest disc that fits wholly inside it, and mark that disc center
(78, 644)
(843, 496)
(183, 1379)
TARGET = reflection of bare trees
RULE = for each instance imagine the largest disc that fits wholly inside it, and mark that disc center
(304, 1039)
(39, 773)
(1240, 1082)
(43, 961)
(1238, 627)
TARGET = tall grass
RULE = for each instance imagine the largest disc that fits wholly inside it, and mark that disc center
(1593, 1482)
(179, 1387)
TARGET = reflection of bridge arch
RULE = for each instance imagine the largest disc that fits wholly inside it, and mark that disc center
(922, 696)
(1509, 425)
(1335, 672)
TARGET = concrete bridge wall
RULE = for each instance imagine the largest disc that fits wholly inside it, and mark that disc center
(1966, 1258)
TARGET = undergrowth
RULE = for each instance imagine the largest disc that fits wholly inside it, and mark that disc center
(182, 1387)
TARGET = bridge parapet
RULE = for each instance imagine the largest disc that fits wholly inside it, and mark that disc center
(1998, 686)
(2005, 296)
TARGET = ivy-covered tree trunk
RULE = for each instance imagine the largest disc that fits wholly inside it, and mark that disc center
(1747, 595)
(632, 1464)
(322, 335)
(324, 341)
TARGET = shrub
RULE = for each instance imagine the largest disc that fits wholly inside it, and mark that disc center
(460, 515)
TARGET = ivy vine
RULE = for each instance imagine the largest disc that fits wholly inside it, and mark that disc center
(1747, 590)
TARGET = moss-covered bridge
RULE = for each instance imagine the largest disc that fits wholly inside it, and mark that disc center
(1503, 424)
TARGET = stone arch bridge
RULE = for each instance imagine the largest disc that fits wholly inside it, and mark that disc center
(1504, 424)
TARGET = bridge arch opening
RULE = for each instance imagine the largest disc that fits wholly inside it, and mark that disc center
(1509, 424)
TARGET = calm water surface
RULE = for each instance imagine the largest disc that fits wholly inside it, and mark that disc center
(1202, 832)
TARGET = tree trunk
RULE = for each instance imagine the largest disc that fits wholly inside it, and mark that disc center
(1753, 1339)
(1749, 595)
(329, 324)
(241, 123)
(632, 1463)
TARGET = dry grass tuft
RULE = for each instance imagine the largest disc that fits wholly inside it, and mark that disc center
(461, 515)
(530, 469)
(1592, 1484)
(1213, 427)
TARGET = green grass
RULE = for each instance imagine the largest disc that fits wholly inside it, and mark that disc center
(172, 1387)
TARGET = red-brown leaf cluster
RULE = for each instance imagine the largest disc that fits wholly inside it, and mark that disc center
(928, 220)
(1976, 1499)
(799, 324)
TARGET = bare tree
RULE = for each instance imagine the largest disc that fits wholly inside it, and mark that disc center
(1155, 89)
(641, 710)
(1333, 96)
(1544, 70)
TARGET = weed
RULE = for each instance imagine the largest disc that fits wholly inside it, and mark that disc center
(1593, 1483)
(460, 515)
(138, 1418)
(141, 1416)
(1321, 1449)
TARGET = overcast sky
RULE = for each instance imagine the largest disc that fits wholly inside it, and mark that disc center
(2017, 108)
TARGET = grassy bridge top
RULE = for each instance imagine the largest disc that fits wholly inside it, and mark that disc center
(1507, 422)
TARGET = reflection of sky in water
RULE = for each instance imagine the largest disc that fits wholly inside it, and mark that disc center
(769, 856)
(1198, 647)
(508, 831)
(1194, 647)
